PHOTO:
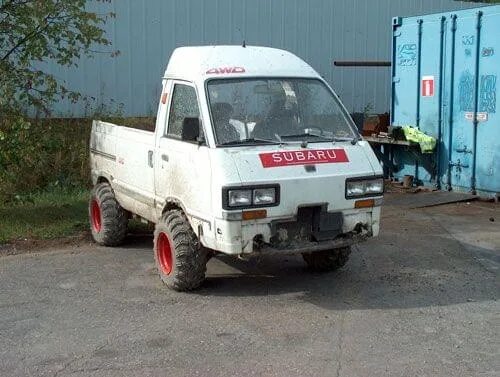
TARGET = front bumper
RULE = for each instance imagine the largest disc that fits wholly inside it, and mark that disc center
(258, 236)
(308, 247)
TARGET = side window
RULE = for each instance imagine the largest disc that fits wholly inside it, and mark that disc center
(184, 105)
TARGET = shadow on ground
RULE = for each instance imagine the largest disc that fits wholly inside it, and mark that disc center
(400, 269)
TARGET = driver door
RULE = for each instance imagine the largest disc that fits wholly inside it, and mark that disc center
(183, 172)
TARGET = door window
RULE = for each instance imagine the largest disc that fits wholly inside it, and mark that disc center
(184, 105)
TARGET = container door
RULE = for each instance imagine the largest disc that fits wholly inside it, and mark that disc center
(464, 92)
(429, 94)
(488, 128)
(416, 101)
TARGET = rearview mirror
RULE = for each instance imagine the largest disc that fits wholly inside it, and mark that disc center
(268, 89)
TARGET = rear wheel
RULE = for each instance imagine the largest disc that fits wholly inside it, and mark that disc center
(327, 260)
(180, 259)
(108, 220)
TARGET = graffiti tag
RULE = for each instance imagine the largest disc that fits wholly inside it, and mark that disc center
(407, 54)
(466, 91)
(468, 40)
(488, 51)
(488, 94)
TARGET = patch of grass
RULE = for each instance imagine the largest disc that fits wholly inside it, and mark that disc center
(44, 215)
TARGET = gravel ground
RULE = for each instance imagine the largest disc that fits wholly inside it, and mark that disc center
(420, 300)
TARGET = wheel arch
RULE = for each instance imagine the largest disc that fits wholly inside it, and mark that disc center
(173, 203)
(101, 177)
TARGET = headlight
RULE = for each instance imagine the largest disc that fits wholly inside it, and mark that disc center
(375, 186)
(263, 196)
(355, 189)
(364, 187)
(239, 198)
(245, 197)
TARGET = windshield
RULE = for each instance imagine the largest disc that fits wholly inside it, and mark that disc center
(275, 110)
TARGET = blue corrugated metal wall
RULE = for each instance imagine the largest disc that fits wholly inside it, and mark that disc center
(319, 31)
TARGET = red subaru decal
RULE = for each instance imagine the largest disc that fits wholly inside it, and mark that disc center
(222, 70)
(303, 157)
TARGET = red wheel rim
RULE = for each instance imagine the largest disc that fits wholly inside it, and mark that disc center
(95, 216)
(164, 252)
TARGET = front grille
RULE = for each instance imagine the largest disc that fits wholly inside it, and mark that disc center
(312, 224)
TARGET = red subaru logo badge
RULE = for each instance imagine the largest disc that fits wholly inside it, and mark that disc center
(303, 157)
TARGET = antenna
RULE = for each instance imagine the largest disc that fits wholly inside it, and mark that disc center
(244, 44)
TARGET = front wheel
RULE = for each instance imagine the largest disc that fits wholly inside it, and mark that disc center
(108, 220)
(327, 260)
(180, 259)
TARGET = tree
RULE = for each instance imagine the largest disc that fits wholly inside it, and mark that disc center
(34, 31)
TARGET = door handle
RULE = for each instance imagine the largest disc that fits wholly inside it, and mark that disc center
(150, 159)
(164, 157)
(463, 150)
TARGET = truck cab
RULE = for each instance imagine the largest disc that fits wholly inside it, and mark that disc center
(253, 152)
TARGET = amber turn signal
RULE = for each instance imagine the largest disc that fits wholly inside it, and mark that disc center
(365, 203)
(254, 214)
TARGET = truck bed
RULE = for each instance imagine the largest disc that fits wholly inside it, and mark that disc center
(123, 157)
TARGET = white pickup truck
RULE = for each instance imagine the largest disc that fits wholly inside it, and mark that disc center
(252, 153)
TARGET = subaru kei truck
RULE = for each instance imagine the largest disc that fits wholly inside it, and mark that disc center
(252, 153)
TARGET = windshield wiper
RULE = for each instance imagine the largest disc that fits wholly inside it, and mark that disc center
(333, 139)
(249, 140)
(305, 134)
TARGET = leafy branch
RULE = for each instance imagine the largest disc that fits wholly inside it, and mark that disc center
(34, 31)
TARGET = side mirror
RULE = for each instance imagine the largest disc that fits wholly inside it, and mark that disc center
(191, 130)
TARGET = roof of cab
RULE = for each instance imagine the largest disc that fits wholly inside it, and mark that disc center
(195, 63)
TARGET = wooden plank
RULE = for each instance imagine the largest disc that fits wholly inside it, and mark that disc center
(383, 140)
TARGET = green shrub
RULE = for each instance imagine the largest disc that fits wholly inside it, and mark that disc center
(45, 154)
(38, 154)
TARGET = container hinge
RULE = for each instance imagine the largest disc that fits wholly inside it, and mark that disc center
(454, 22)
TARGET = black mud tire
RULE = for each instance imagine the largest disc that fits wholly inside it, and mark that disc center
(180, 259)
(108, 220)
(328, 260)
